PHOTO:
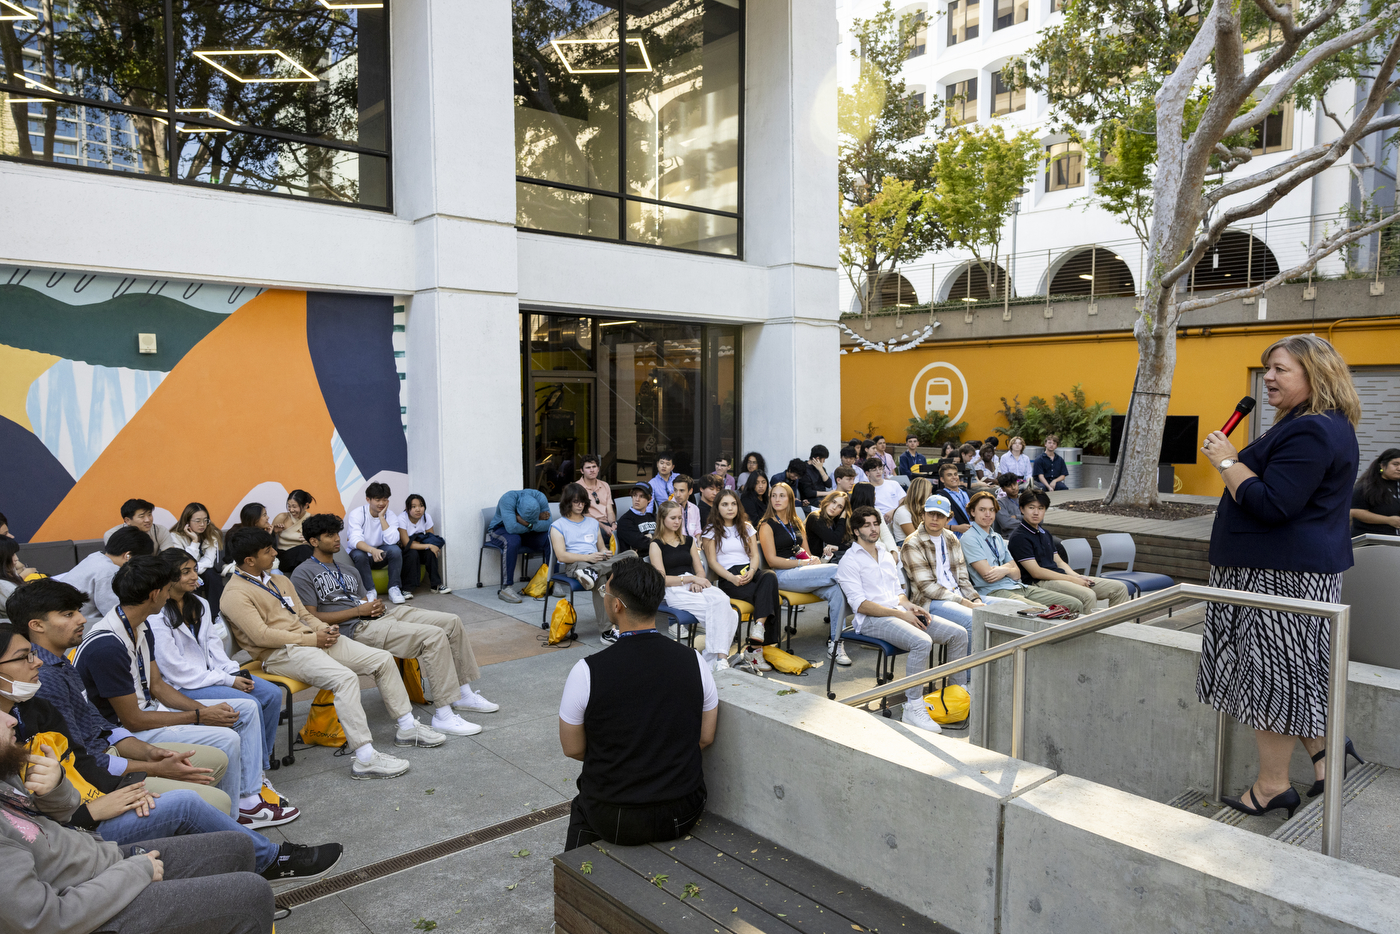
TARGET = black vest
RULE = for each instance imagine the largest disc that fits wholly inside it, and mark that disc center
(642, 722)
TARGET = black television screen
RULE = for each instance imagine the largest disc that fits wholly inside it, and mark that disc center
(1180, 439)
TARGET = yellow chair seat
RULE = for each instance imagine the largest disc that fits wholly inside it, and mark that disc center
(291, 684)
(745, 609)
(792, 598)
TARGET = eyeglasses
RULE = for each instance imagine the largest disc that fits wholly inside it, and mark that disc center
(28, 657)
(604, 591)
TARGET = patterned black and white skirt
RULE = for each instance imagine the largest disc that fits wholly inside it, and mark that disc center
(1263, 667)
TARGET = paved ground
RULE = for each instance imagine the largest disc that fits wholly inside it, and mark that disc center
(513, 767)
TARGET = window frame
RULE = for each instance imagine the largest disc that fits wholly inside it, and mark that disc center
(1017, 6)
(998, 89)
(1282, 113)
(954, 20)
(955, 92)
(1071, 148)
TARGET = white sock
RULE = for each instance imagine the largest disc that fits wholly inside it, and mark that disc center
(406, 722)
(444, 713)
(365, 753)
(467, 693)
(249, 801)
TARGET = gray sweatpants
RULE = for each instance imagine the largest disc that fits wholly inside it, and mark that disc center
(209, 888)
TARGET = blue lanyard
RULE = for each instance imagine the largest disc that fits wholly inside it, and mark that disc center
(136, 647)
(338, 575)
(990, 539)
(635, 632)
(272, 590)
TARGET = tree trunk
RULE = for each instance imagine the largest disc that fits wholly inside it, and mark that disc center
(1138, 453)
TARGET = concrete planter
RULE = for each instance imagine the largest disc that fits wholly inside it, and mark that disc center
(1095, 472)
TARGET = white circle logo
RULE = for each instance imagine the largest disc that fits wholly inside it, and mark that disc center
(936, 392)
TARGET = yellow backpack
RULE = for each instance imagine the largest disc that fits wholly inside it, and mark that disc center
(539, 584)
(412, 679)
(782, 661)
(562, 622)
(59, 744)
(323, 726)
(948, 705)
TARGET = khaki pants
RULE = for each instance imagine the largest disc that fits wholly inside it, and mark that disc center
(435, 639)
(338, 669)
(1115, 592)
(1038, 596)
(205, 757)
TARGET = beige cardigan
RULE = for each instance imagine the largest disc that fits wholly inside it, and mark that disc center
(260, 623)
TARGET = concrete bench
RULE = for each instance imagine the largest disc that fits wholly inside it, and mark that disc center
(719, 877)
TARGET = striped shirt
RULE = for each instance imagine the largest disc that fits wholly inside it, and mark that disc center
(62, 686)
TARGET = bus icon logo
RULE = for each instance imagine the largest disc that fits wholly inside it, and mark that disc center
(938, 395)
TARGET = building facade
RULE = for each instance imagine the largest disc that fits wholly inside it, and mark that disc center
(452, 246)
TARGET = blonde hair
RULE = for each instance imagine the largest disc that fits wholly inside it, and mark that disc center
(1330, 388)
(920, 489)
(664, 509)
(828, 499)
(791, 517)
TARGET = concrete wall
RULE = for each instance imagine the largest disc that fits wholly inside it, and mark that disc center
(984, 843)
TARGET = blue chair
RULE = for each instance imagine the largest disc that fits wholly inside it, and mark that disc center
(525, 553)
(682, 619)
(1118, 548)
(884, 665)
(573, 585)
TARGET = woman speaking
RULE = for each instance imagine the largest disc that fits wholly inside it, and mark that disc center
(1282, 528)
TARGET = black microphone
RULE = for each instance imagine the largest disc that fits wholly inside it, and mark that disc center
(1244, 408)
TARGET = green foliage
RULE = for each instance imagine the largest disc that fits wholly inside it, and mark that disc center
(1077, 422)
(880, 233)
(935, 428)
(424, 924)
(587, 867)
(690, 891)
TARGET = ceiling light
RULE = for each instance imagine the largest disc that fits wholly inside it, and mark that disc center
(208, 56)
(350, 6)
(1085, 275)
(613, 324)
(12, 11)
(204, 110)
(967, 299)
(646, 62)
(31, 83)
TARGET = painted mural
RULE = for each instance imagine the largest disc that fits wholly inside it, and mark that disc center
(250, 393)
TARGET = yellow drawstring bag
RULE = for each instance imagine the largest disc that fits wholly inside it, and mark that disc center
(562, 622)
(949, 704)
(412, 679)
(785, 662)
(59, 744)
(323, 726)
(538, 585)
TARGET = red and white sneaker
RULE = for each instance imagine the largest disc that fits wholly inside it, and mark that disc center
(264, 814)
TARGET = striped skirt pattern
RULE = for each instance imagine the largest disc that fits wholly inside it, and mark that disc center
(1266, 668)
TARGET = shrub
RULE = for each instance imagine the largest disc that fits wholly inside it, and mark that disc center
(1078, 423)
(935, 428)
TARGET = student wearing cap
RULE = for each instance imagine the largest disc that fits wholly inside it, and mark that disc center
(636, 525)
(933, 561)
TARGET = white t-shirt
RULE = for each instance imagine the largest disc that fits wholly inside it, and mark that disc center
(901, 518)
(579, 687)
(413, 528)
(731, 552)
(887, 496)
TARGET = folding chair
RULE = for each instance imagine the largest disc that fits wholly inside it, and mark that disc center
(792, 600)
(1078, 553)
(681, 619)
(1118, 548)
(487, 514)
(289, 686)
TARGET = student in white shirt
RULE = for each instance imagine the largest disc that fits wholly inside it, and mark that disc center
(422, 544)
(200, 539)
(375, 540)
(906, 518)
(731, 549)
(870, 579)
(141, 514)
(1015, 460)
(93, 575)
(887, 492)
(676, 554)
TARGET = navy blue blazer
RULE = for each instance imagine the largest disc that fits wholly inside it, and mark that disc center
(1295, 515)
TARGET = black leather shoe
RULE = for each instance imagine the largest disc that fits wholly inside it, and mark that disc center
(1320, 784)
(1289, 799)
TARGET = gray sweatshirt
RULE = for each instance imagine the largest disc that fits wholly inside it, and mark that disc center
(59, 880)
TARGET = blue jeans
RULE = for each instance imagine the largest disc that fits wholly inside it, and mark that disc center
(182, 812)
(393, 560)
(269, 698)
(242, 743)
(955, 612)
(510, 542)
(818, 579)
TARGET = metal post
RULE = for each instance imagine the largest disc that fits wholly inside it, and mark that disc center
(1217, 785)
(986, 693)
(1335, 771)
(1018, 703)
(1093, 272)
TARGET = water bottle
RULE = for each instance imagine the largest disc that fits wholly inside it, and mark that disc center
(1101, 483)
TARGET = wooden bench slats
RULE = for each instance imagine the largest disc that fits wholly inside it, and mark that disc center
(618, 900)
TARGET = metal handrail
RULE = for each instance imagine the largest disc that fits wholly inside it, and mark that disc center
(1338, 614)
(1371, 538)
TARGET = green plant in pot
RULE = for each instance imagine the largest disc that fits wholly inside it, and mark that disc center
(1078, 422)
(935, 428)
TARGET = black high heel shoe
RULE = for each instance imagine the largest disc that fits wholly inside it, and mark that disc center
(1318, 785)
(1289, 799)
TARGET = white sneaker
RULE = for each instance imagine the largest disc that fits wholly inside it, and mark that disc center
(916, 714)
(419, 735)
(842, 658)
(378, 766)
(371, 596)
(396, 595)
(720, 664)
(476, 702)
(443, 589)
(755, 658)
(454, 725)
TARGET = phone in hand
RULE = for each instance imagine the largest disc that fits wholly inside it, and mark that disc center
(131, 778)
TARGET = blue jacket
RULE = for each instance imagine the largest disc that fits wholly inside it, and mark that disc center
(907, 461)
(1295, 515)
(529, 504)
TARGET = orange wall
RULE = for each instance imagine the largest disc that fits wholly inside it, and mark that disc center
(1212, 373)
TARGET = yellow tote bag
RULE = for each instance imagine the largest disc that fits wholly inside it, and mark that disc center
(948, 705)
(59, 744)
(785, 662)
(538, 585)
(323, 726)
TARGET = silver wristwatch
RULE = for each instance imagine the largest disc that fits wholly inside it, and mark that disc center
(1226, 463)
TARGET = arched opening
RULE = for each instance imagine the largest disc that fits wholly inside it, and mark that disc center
(1095, 271)
(1235, 261)
(894, 291)
(972, 284)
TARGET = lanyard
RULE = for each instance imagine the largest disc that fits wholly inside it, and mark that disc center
(136, 647)
(340, 577)
(635, 632)
(943, 563)
(990, 538)
(272, 590)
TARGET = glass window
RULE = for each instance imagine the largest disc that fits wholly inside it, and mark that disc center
(918, 42)
(1005, 100)
(1011, 12)
(316, 74)
(963, 17)
(961, 104)
(1064, 166)
(678, 65)
(1275, 133)
(561, 343)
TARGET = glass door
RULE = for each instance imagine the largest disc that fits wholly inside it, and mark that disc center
(563, 431)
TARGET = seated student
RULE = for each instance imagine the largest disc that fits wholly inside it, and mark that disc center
(1008, 506)
(63, 880)
(843, 478)
(864, 495)
(250, 516)
(117, 662)
(690, 512)
(992, 570)
(987, 469)
(125, 814)
(753, 463)
(600, 496)
(870, 579)
(888, 493)
(1034, 549)
(1049, 470)
(192, 657)
(12, 571)
(880, 449)
(972, 467)
(423, 546)
(522, 520)
(708, 487)
(950, 485)
(726, 479)
(800, 565)
(93, 575)
(202, 541)
(268, 620)
(911, 462)
(753, 496)
(436, 639)
(815, 483)
(906, 516)
(1015, 460)
(826, 529)
(937, 569)
(642, 779)
(731, 551)
(140, 514)
(292, 548)
(1375, 501)
(855, 463)
(792, 475)
(46, 612)
(662, 483)
(676, 555)
(580, 550)
(375, 540)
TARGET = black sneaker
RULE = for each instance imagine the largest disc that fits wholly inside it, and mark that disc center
(295, 861)
(610, 636)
